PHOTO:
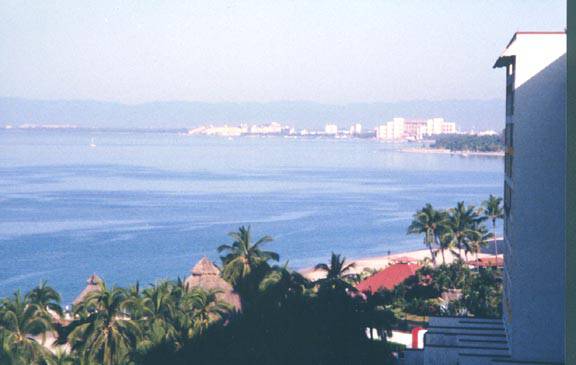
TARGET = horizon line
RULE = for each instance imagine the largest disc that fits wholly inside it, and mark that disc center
(283, 101)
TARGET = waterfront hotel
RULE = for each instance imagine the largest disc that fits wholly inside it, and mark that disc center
(532, 330)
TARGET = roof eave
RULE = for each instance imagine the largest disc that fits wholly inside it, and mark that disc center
(503, 61)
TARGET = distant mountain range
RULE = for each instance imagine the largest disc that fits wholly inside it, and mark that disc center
(468, 114)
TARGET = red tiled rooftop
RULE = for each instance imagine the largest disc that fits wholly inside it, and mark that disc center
(388, 278)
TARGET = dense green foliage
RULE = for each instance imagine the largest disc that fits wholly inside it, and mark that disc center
(285, 319)
(493, 211)
(461, 229)
(481, 292)
(466, 142)
(20, 319)
(432, 224)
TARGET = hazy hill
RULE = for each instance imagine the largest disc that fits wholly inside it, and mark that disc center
(478, 114)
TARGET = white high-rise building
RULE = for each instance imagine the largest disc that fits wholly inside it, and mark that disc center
(331, 129)
(532, 330)
(392, 130)
(448, 128)
(401, 129)
(534, 200)
(398, 128)
(356, 129)
(271, 128)
(439, 126)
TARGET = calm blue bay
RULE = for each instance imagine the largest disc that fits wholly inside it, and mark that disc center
(147, 206)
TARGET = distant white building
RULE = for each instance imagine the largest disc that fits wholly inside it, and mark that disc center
(487, 133)
(436, 126)
(225, 131)
(356, 129)
(392, 130)
(397, 128)
(449, 128)
(383, 132)
(331, 129)
(271, 128)
(414, 130)
(401, 129)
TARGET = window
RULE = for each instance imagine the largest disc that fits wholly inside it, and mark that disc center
(510, 89)
(509, 141)
(507, 199)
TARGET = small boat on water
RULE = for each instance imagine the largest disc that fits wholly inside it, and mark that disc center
(92, 144)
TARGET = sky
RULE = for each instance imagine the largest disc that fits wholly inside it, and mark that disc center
(327, 51)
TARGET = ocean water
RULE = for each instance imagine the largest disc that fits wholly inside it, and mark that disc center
(147, 206)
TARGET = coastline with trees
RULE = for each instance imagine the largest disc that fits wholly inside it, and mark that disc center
(468, 142)
(283, 317)
(464, 145)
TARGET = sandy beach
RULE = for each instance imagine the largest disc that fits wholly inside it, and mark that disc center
(459, 153)
(380, 262)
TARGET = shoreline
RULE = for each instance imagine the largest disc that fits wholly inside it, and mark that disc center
(450, 152)
(381, 262)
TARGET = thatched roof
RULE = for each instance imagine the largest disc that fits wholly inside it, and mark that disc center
(207, 276)
(205, 267)
(93, 282)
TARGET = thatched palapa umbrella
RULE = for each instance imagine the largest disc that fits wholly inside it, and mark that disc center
(207, 276)
(93, 282)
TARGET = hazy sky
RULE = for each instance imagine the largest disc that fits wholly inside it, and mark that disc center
(328, 51)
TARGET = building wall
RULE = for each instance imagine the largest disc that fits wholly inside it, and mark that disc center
(356, 129)
(449, 128)
(331, 129)
(538, 50)
(434, 126)
(415, 129)
(535, 232)
(398, 128)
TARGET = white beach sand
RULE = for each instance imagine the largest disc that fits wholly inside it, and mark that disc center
(380, 262)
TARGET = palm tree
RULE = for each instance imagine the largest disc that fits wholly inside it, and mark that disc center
(337, 272)
(479, 239)
(134, 302)
(6, 355)
(281, 282)
(377, 314)
(492, 210)
(19, 321)
(159, 309)
(446, 242)
(46, 297)
(242, 257)
(462, 221)
(106, 335)
(203, 307)
(63, 358)
(430, 222)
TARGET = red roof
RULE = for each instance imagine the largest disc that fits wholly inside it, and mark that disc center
(388, 278)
